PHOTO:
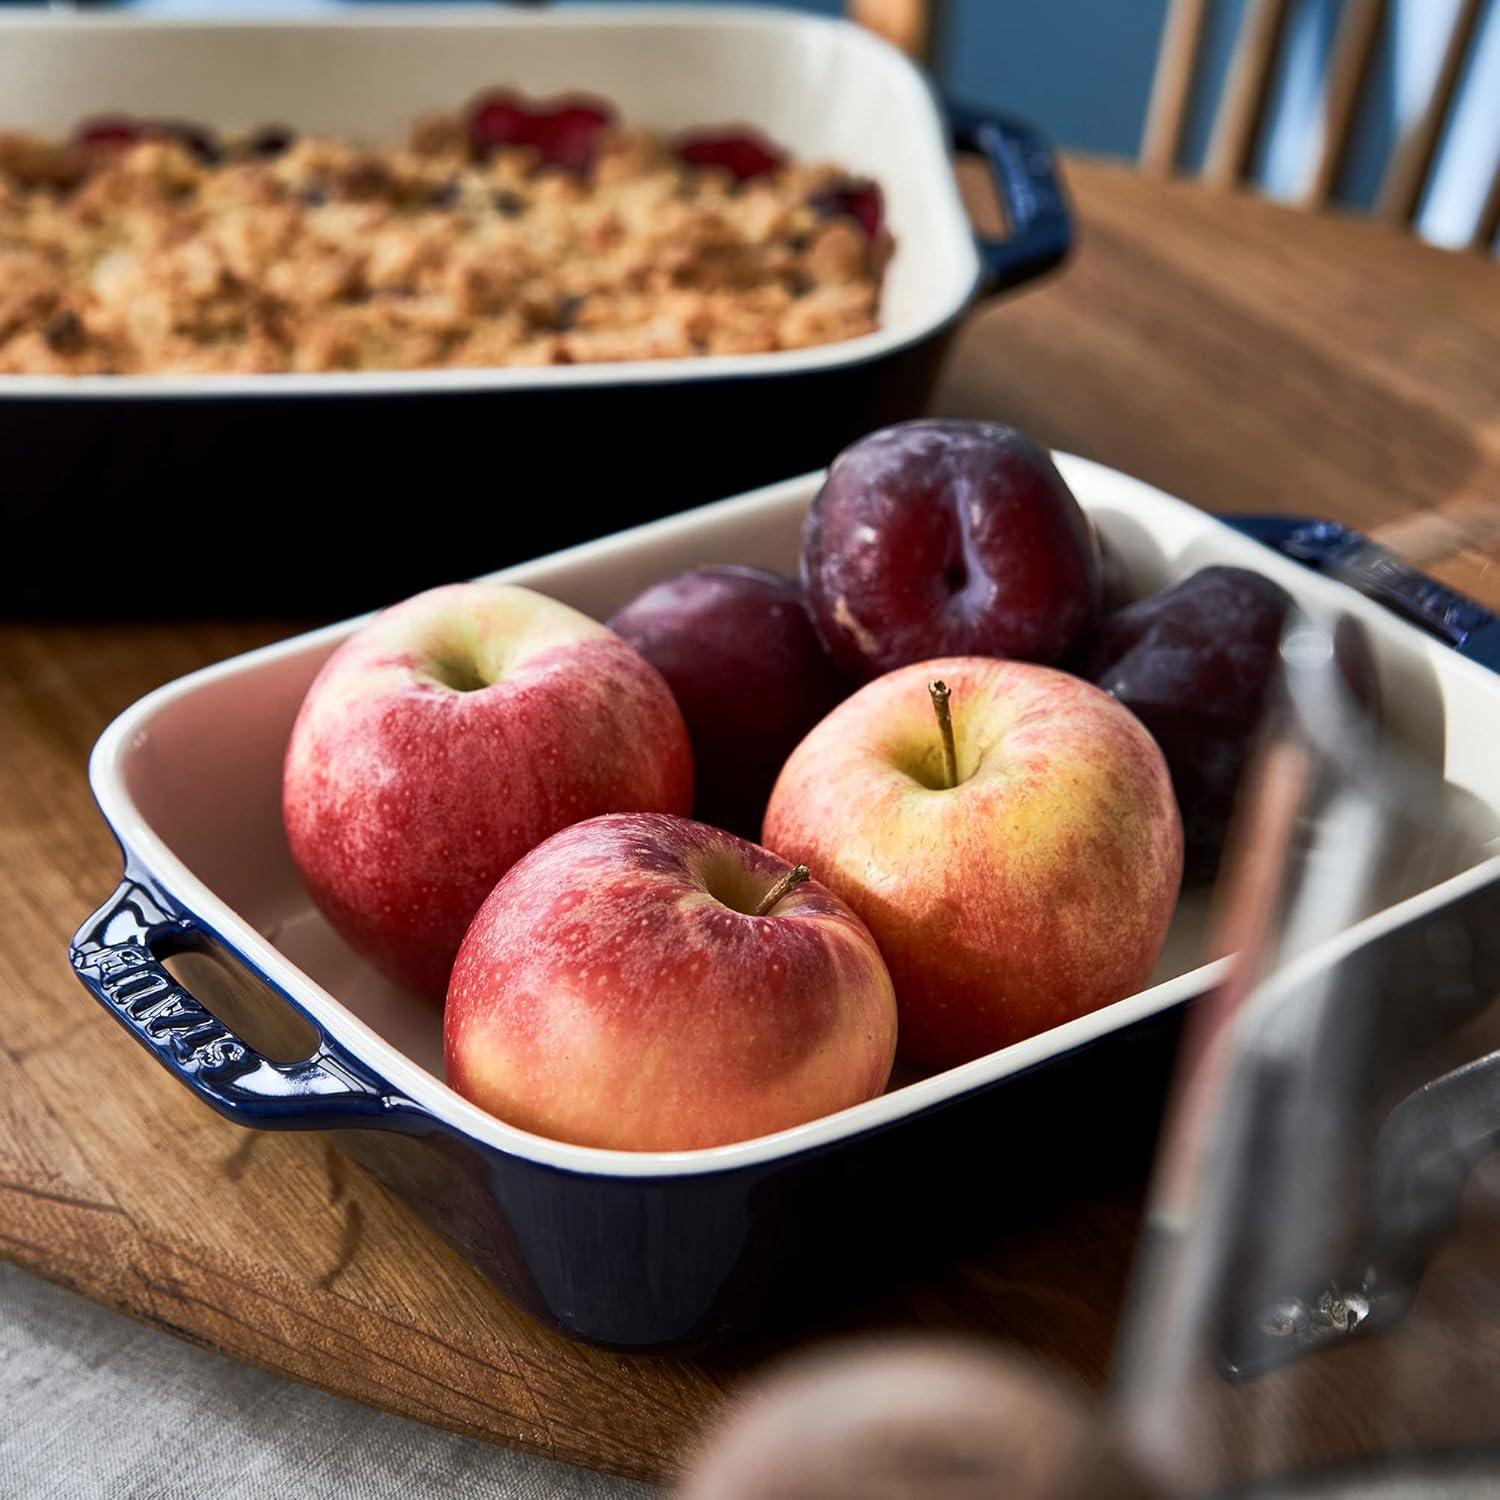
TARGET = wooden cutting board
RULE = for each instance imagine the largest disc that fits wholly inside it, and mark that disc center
(1232, 352)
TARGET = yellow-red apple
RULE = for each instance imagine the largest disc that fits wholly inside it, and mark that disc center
(447, 737)
(1032, 883)
(649, 983)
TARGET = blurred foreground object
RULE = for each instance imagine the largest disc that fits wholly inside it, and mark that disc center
(1305, 1299)
(1317, 1300)
(911, 1419)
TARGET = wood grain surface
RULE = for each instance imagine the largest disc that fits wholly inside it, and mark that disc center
(1237, 354)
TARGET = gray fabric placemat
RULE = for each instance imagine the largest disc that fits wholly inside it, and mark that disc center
(95, 1405)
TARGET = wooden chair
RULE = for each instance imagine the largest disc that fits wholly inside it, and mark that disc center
(1239, 116)
(910, 24)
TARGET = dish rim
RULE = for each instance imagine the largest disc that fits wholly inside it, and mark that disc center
(146, 852)
(927, 122)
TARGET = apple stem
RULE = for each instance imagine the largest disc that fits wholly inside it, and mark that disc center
(942, 708)
(788, 883)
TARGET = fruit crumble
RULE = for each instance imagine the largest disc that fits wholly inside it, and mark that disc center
(511, 233)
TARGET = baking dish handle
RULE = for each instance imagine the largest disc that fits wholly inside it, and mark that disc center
(118, 955)
(1029, 185)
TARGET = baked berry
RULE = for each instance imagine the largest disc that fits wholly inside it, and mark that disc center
(198, 139)
(271, 141)
(741, 153)
(109, 130)
(65, 333)
(563, 133)
(859, 200)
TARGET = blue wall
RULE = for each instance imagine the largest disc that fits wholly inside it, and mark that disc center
(1082, 68)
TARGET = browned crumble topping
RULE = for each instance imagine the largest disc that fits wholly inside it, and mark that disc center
(147, 259)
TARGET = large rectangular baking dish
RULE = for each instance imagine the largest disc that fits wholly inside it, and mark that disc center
(645, 1250)
(413, 476)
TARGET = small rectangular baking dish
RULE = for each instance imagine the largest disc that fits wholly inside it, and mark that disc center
(659, 1249)
(410, 477)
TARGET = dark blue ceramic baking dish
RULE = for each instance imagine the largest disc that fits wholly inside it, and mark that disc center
(648, 1250)
(410, 478)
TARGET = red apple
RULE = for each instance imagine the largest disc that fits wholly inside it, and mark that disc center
(947, 539)
(622, 987)
(1035, 884)
(449, 736)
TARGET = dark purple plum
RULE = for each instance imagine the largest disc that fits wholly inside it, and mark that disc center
(1114, 578)
(740, 654)
(947, 539)
(1194, 663)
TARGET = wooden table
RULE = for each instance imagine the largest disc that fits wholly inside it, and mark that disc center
(1234, 353)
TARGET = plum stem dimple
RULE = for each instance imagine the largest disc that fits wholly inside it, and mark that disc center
(783, 887)
(943, 709)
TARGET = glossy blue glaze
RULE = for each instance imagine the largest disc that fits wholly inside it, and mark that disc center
(118, 955)
(1378, 573)
(1030, 188)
